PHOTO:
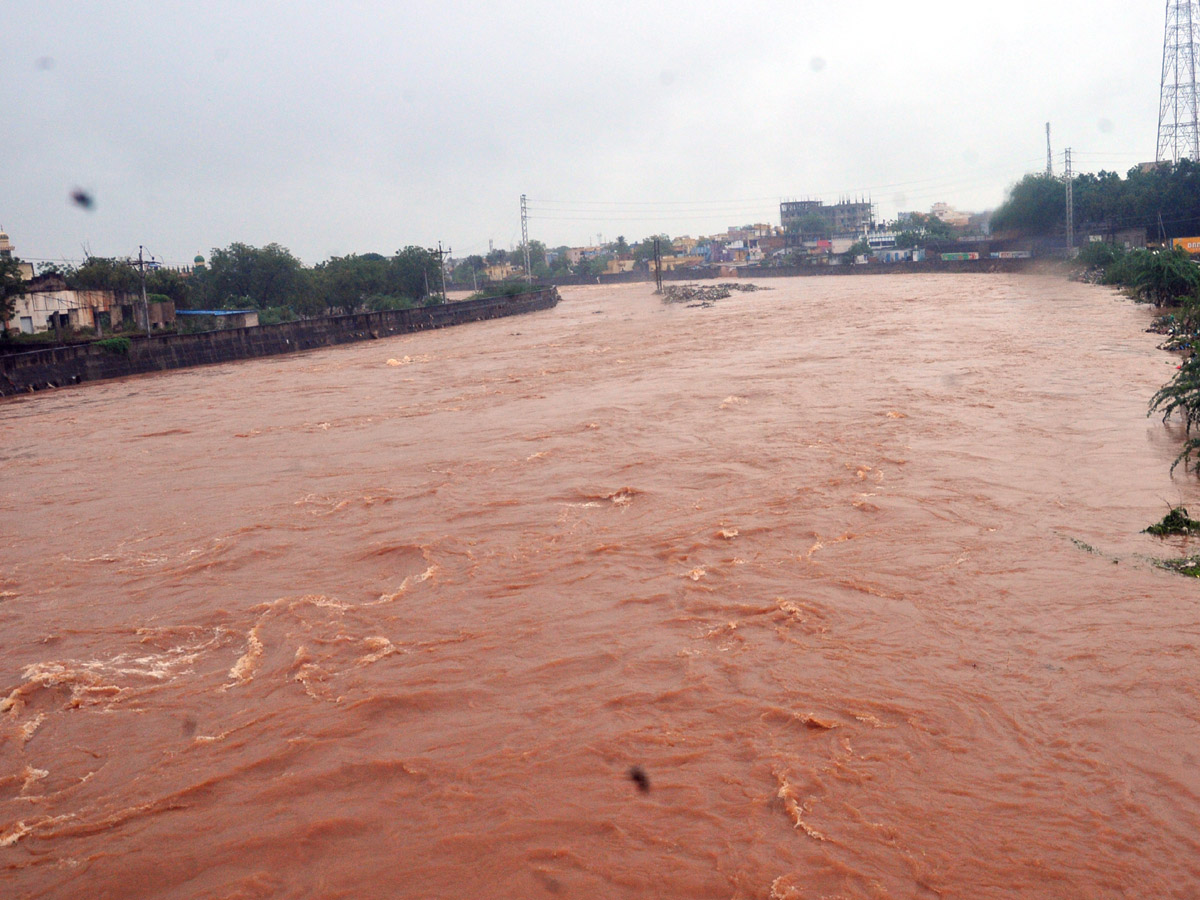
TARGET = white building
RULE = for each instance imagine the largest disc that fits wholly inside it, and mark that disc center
(40, 311)
(6, 252)
(881, 240)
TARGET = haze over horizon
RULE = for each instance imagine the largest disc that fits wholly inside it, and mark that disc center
(370, 127)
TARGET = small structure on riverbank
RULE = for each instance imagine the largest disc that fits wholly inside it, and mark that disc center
(223, 318)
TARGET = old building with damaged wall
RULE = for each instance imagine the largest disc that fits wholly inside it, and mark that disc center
(48, 304)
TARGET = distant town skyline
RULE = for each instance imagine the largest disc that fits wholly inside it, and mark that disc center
(369, 127)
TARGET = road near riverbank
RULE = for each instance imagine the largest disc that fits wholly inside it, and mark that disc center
(850, 569)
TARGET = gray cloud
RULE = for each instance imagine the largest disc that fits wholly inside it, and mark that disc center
(367, 126)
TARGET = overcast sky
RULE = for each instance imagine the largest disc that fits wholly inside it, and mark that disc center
(336, 128)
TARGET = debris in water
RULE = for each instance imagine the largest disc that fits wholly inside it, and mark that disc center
(705, 295)
(811, 721)
(1189, 565)
(1174, 522)
(639, 777)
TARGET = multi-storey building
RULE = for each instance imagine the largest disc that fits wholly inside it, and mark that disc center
(847, 218)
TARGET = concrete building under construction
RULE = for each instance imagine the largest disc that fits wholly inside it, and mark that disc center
(846, 218)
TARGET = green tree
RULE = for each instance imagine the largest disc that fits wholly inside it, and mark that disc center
(172, 285)
(537, 258)
(1162, 276)
(1099, 254)
(595, 266)
(918, 228)
(1181, 396)
(857, 249)
(1166, 193)
(12, 285)
(469, 270)
(269, 276)
(643, 250)
(622, 246)
(413, 273)
(62, 270)
(99, 274)
(345, 282)
(1035, 206)
(561, 263)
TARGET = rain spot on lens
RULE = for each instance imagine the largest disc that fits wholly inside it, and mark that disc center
(83, 199)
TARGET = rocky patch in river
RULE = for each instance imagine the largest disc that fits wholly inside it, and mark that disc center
(704, 296)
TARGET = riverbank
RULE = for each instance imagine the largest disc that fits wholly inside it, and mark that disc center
(118, 357)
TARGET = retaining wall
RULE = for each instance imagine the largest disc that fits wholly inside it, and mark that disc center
(59, 366)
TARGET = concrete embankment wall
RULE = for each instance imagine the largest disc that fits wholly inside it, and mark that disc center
(59, 366)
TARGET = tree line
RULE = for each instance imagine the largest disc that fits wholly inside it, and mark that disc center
(545, 262)
(274, 281)
(1166, 196)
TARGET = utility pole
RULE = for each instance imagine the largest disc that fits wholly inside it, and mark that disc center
(525, 240)
(439, 253)
(658, 265)
(1049, 157)
(1069, 177)
(145, 302)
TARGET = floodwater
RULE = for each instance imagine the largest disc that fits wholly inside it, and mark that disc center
(850, 568)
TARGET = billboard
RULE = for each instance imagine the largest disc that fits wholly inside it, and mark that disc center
(955, 257)
(1190, 244)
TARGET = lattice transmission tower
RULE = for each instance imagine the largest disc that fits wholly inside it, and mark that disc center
(1179, 98)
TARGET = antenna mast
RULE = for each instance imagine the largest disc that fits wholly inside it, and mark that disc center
(1049, 156)
(1179, 98)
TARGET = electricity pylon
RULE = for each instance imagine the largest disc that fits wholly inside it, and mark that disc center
(1179, 98)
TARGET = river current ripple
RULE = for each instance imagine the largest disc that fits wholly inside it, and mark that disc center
(850, 568)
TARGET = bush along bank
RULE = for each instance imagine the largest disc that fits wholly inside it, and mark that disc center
(1164, 278)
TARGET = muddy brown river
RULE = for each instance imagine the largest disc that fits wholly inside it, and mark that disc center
(849, 568)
